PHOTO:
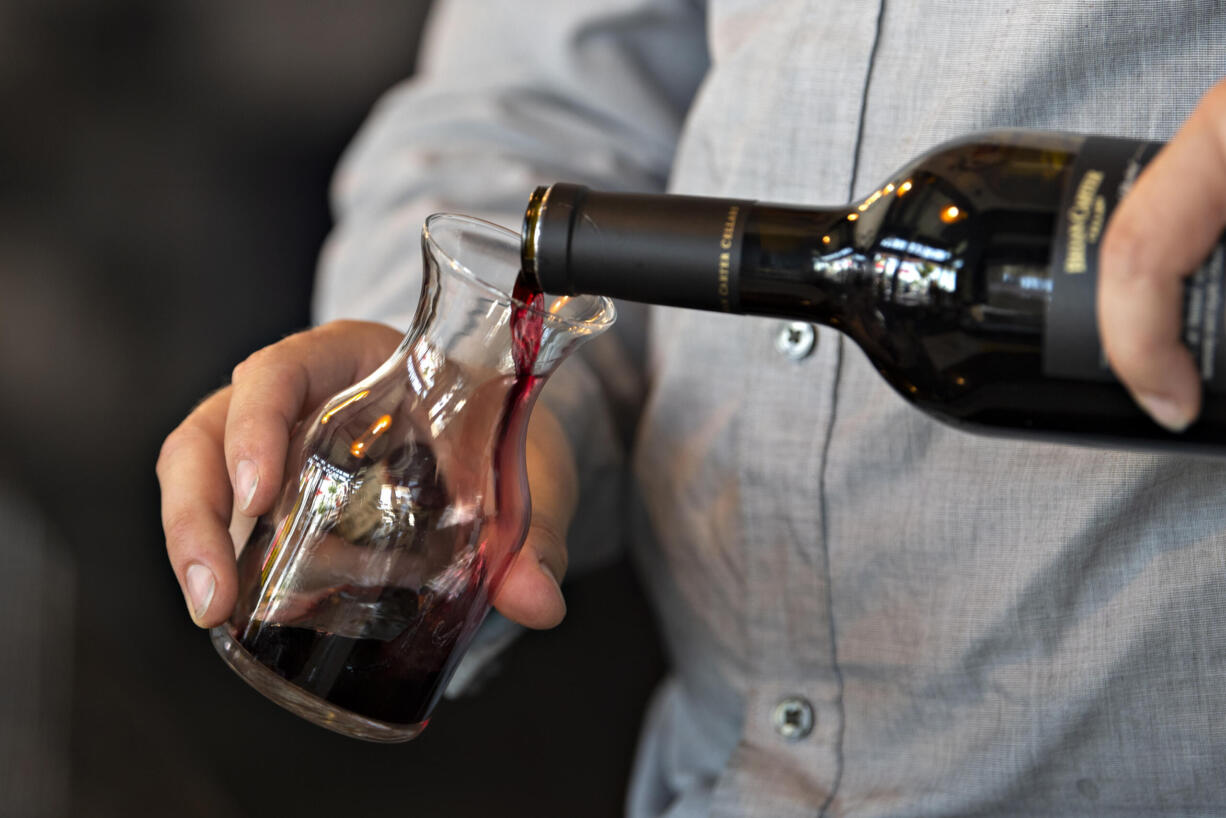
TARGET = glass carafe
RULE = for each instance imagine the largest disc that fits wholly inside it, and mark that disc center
(406, 499)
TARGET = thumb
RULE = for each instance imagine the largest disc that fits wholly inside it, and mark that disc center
(531, 592)
(1164, 228)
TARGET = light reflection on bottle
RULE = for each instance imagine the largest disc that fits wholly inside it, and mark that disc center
(951, 214)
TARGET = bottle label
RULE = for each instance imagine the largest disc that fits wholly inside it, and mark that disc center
(1104, 171)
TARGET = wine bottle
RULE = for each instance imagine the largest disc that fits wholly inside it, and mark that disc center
(967, 278)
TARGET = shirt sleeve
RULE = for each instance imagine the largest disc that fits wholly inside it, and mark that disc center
(508, 96)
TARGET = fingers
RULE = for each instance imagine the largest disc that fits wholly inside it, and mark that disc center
(1162, 231)
(230, 451)
(196, 504)
(276, 385)
(530, 592)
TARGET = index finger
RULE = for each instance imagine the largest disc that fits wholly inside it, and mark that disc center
(196, 502)
(1161, 232)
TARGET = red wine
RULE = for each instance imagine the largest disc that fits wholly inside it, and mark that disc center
(396, 679)
(527, 324)
(381, 652)
(967, 278)
(527, 330)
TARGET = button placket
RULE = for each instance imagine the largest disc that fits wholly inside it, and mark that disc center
(789, 638)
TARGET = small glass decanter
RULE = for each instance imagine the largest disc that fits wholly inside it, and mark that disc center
(406, 498)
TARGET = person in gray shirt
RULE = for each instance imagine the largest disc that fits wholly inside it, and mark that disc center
(867, 613)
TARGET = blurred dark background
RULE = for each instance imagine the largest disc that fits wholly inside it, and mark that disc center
(163, 175)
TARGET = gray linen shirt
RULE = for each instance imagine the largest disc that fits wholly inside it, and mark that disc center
(978, 626)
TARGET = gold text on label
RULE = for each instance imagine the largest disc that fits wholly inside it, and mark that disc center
(1085, 219)
(725, 258)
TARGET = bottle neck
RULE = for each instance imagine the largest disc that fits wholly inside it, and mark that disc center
(725, 255)
(803, 263)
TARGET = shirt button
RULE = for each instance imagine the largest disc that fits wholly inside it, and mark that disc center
(796, 340)
(793, 718)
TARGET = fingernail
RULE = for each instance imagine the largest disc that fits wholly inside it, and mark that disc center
(200, 587)
(246, 479)
(553, 578)
(547, 571)
(1166, 412)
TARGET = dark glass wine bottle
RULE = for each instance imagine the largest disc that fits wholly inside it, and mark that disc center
(967, 278)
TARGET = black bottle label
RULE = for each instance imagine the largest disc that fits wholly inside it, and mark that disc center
(1102, 174)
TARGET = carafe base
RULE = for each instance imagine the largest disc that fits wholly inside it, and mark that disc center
(307, 705)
